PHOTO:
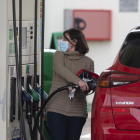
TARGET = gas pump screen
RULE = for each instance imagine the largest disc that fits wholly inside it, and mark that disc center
(24, 37)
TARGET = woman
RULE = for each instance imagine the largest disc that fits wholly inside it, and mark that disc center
(66, 117)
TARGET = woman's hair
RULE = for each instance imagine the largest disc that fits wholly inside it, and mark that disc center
(77, 34)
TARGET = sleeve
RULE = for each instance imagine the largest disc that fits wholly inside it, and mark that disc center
(61, 70)
(92, 66)
(92, 70)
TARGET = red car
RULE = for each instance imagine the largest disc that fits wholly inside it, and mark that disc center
(116, 106)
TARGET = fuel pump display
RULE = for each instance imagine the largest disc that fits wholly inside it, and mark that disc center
(27, 38)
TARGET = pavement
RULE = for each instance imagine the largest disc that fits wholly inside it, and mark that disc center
(86, 132)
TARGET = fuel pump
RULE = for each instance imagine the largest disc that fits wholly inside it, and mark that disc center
(17, 61)
(21, 48)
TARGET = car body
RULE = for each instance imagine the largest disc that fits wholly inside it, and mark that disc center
(116, 105)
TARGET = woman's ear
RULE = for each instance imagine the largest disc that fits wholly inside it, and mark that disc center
(75, 42)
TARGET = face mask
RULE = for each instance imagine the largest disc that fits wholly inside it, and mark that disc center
(64, 46)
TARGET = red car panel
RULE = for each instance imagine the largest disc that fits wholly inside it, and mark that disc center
(102, 122)
(116, 106)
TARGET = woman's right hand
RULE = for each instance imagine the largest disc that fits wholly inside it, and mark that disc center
(83, 85)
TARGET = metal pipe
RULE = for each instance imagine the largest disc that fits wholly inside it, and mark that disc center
(18, 80)
(35, 45)
(42, 58)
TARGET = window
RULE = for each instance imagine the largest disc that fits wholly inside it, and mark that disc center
(24, 37)
(130, 52)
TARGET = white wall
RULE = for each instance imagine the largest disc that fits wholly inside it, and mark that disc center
(102, 52)
(3, 44)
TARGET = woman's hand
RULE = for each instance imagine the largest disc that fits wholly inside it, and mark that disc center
(83, 85)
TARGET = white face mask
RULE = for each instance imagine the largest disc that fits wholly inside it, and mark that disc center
(64, 46)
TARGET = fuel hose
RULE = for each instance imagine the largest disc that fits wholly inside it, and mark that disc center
(42, 58)
(35, 50)
(45, 102)
(45, 123)
(92, 83)
(20, 63)
(22, 125)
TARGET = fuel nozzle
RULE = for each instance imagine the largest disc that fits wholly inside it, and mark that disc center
(36, 99)
(28, 99)
(35, 95)
(45, 95)
(26, 96)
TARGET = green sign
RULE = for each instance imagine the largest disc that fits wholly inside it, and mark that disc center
(27, 69)
(10, 48)
(10, 34)
(13, 44)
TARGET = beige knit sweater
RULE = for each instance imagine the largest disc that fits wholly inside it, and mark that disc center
(65, 67)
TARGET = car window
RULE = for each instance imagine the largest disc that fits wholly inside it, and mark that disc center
(130, 52)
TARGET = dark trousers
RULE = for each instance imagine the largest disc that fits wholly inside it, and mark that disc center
(63, 127)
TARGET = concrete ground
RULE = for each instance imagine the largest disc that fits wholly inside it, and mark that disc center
(86, 132)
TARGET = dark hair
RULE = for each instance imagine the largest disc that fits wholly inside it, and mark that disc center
(77, 34)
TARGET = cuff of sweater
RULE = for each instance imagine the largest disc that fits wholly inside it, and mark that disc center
(76, 81)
